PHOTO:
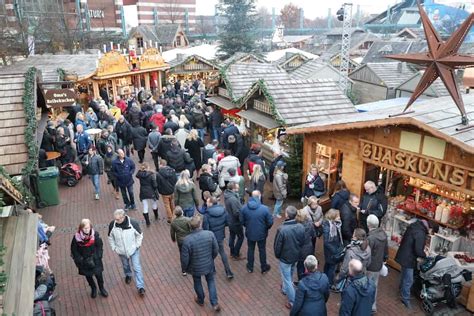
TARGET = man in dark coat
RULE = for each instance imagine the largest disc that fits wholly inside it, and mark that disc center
(229, 130)
(123, 169)
(255, 157)
(140, 137)
(289, 240)
(411, 248)
(170, 124)
(216, 220)
(123, 129)
(104, 141)
(373, 202)
(215, 121)
(165, 144)
(378, 242)
(236, 230)
(177, 157)
(277, 156)
(198, 252)
(359, 294)
(135, 115)
(312, 292)
(257, 220)
(166, 180)
(153, 142)
(348, 215)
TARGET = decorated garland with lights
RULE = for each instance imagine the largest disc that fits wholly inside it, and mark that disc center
(29, 107)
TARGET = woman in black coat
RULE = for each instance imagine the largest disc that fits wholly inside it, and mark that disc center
(140, 137)
(86, 251)
(194, 145)
(304, 218)
(148, 191)
(207, 182)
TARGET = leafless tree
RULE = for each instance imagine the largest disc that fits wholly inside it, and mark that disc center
(172, 8)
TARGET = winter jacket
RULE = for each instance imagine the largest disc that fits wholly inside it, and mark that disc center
(332, 245)
(140, 137)
(216, 119)
(354, 251)
(233, 207)
(82, 142)
(280, 183)
(134, 116)
(313, 184)
(108, 160)
(258, 185)
(181, 134)
(224, 165)
(199, 119)
(94, 164)
(339, 199)
(178, 158)
(171, 125)
(289, 240)
(194, 149)
(273, 165)
(412, 245)
(198, 252)
(216, 220)
(159, 120)
(102, 144)
(309, 234)
(316, 214)
(207, 183)
(125, 238)
(185, 195)
(88, 259)
(257, 220)
(256, 159)
(124, 132)
(375, 203)
(311, 295)
(357, 297)
(180, 228)
(209, 151)
(153, 141)
(123, 171)
(229, 130)
(164, 146)
(148, 185)
(349, 221)
(166, 180)
(378, 242)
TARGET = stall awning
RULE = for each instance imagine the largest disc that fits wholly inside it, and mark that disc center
(259, 119)
(222, 102)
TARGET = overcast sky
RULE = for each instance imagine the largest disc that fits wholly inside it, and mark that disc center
(312, 8)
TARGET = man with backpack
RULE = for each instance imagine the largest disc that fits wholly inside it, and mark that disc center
(153, 141)
(166, 180)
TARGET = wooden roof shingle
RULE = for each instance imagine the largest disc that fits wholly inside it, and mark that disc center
(391, 74)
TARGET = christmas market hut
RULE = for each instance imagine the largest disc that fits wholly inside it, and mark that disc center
(193, 67)
(422, 160)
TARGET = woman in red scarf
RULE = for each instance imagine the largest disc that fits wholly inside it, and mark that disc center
(86, 251)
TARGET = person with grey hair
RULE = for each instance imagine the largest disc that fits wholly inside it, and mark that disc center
(378, 242)
(123, 129)
(373, 202)
(312, 292)
(125, 238)
(359, 294)
(289, 240)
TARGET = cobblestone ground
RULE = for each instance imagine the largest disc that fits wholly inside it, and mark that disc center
(168, 292)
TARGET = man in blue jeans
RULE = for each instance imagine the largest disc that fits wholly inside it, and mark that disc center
(257, 220)
(412, 248)
(198, 252)
(125, 238)
(123, 169)
(94, 165)
(289, 240)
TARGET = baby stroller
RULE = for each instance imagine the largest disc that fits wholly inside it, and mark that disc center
(440, 281)
(70, 174)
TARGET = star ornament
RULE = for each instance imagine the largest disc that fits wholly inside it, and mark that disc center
(441, 60)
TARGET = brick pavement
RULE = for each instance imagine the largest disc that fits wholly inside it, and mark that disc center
(168, 292)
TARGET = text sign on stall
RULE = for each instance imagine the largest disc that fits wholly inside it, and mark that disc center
(60, 97)
(416, 165)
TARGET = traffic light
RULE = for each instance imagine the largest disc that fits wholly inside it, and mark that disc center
(340, 14)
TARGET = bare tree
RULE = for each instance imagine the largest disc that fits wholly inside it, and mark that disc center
(172, 8)
(290, 15)
(205, 25)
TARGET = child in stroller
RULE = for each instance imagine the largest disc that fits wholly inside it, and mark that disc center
(439, 281)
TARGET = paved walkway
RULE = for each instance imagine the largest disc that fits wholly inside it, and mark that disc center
(168, 292)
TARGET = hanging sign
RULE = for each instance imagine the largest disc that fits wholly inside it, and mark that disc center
(60, 97)
(416, 165)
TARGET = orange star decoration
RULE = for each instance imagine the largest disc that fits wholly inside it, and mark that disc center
(441, 60)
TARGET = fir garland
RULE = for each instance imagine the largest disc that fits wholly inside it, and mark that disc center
(62, 74)
(263, 87)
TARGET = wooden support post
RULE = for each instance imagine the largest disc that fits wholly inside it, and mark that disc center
(95, 88)
(114, 90)
(160, 87)
(147, 81)
(139, 81)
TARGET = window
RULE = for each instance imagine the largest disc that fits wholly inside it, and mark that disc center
(423, 144)
(139, 42)
(178, 41)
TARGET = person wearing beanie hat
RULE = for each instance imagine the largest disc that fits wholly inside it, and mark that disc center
(94, 165)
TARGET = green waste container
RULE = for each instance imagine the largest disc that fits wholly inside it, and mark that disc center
(48, 186)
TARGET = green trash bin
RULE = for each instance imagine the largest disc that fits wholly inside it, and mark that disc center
(48, 186)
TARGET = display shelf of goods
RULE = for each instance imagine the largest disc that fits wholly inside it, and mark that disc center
(441, 245)
(433, 188)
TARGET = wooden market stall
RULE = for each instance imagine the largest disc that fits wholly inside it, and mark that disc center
(194, 67)
(422, 159)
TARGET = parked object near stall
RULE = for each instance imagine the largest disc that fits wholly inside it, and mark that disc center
(70, 174)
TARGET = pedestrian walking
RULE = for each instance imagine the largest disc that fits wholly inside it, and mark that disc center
(358, 249)
(277, 157)
(224, 165)
(313, 291)
(358, 296)
(148, 191)
(315, 211)
(139, 139)
(280, 190)
(194, 145)
(86, 251)
(123, 129)
(109, 157)
(185, 194)
(378, 243)
(82, 141)
(207, 182)
(180, 227)
(198, 252)
(289, 241)
(153, 142)
(333, 246)
(373, 202)
(236, 230)
(178, 158)
(340, 196)
(257, 220)
(303, 217)
(95, 168)
(257, 180)
(349, 218)
(125, 238)
(411, 249)
(215, 220)
(165, 144)
(166, 181)
(123, 169)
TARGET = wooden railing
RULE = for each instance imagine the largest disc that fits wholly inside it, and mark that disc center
(262, 107)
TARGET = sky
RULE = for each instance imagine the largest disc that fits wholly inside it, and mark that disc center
(312, 8)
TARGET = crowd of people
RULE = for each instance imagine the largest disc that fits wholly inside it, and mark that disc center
(209, 183)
